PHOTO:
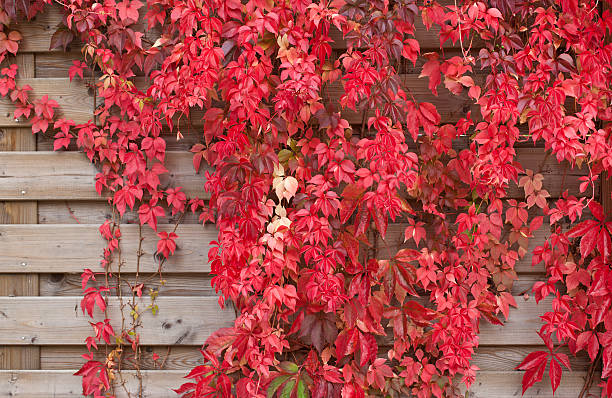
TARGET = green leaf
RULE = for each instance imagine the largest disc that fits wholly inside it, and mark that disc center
(301, 390)
(286, 393)
(289, 367)
(284, 155)
(275, 384)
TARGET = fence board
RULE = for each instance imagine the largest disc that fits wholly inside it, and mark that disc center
(394, 241)
(59, 320)
(41, 28)
(26, 248)
(70, 248)
(96, 212)
(62, 384)
(174, 285)
(501, 358)
(508, 384)
(70, 176)
(158, 384)
(60, 284)
(519, 330)
(17, 139)
(74, 99)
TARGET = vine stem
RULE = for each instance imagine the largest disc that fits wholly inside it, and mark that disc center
(590, 376)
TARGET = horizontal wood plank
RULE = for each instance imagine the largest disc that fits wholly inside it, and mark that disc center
(38, 32)
(171, 285)
(519, 330)
(496, 358)
(74, 99)
(60, 248)
(59, 320)
(71, 176)
(96, 212)
(193, 284)
(44, 320)
(63, 384)
(394, 241)
(158, 384)
(508, 385)
(70, 248)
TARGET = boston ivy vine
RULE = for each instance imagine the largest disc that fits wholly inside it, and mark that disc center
(303, 200)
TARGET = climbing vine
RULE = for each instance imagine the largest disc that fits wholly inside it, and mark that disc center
(304, 198)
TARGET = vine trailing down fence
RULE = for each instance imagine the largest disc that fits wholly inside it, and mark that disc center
(314, 153)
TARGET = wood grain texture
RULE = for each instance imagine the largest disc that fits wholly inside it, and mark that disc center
(74, 99)
(394, 241)
(519, 330)
(501, 358)
(14, 285)
(178, 358)
(158, 384)
(59, 320)
(70, 248)
(63, 384)
(508, 385)
(62, 284)
(56, 64)
(96, 212)
(38, 32)
(59, 284)
(17, 139)
(70, 176)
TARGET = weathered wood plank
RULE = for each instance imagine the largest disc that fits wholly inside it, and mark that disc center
(53, 248)
(38, 32)
(63, 384)
(193, 284)
(519, 330)
(70, 176)
(496, 358)
(177, 358)
(173, 285)
(508, 385)
(158, 384)
(74, 99)
(190, 138)
(18, 212)
(394, 241)
(59, 320)
(96, 212)
(19, 139)
(70, 248)
(450, 107)
(55, 64)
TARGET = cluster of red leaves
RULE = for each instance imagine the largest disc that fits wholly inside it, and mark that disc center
(304, 204)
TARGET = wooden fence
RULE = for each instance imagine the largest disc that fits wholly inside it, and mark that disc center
(50, 214)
